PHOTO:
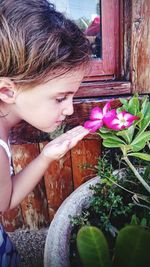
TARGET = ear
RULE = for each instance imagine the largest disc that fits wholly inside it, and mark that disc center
(7, 90)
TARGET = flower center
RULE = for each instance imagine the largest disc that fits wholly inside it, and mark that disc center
(122, 120)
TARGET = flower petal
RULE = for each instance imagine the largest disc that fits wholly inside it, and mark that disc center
(106, 108)
(130, 117)
(115, 121)
(93, 126)
(120, 115)
(109, 117)
(117, 127)
(127, 124)
(96, 114)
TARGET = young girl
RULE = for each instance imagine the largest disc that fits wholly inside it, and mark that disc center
(43, 58)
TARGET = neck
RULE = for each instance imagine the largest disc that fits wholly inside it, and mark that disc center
(8, 119)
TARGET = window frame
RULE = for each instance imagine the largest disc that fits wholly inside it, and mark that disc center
(109, 66)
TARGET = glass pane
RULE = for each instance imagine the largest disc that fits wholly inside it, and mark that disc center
(86, 14)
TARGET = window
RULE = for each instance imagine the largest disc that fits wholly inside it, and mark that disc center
(99, 20)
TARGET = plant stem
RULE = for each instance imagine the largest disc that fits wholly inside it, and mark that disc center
(147, 187)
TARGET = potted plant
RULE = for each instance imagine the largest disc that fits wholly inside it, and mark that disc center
(125, 128)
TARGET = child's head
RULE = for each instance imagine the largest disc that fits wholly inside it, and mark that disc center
(41, 50)
(37, 42)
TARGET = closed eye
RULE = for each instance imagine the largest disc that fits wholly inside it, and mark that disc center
(61, 99)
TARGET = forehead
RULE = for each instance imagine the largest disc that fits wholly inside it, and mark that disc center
(64, 84)
(72, 76)
(68, 82)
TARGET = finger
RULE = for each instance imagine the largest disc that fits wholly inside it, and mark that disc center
(69, 134)
(76, 139)
(73, 130)
(78, 132)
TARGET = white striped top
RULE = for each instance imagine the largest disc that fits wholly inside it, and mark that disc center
(7, 149)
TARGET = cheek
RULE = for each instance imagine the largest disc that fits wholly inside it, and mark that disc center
(52, 110)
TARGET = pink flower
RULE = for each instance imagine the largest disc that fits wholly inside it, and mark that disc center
(96, 118)
(118, 121)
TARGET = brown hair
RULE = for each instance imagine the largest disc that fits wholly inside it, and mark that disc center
(36, 40)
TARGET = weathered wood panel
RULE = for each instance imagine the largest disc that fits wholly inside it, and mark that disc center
(140, 48)
(58, 182)
(12, 219)
(34, 206)
(125, 42)
(85, 157)
(99, 89)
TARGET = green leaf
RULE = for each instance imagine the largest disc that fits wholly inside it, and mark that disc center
(145, 104)
(132, 247)
(123, 101)
(145, 121)
(112, 138)
(109, 143)
(140, 141)
(93, 247)
(120, 109)
(143, 136)
(104, 130)
(124, 106)
(134, 105)
(139, 146)
(134, 220)
(140, 155)
(106, 135)
(145, 107)
(127, 134)
(131, 130)
(144, 222)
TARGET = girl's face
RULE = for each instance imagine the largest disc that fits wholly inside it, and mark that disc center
(46, 106)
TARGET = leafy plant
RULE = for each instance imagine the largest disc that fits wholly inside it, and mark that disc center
(111, 205)
(125, 128)
(131, 248)
(121, 206)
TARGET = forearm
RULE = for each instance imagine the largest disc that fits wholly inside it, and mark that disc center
(25, 181)
(5, 195)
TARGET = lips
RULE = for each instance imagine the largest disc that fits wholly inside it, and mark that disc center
(60, 121)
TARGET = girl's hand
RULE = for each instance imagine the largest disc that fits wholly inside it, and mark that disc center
(57, 148)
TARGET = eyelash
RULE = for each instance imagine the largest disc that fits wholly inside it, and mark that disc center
(59, 100)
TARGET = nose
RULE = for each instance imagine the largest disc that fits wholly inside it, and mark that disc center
(68, 109)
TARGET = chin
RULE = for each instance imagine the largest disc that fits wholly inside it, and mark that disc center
(48, 130)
